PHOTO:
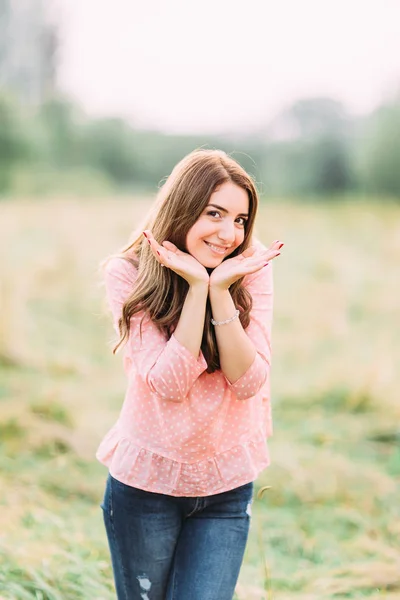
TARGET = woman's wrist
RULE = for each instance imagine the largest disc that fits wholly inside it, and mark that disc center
(219, 282)
(199, 290)
(226, 321)
(222, 305)
(199, 286)
(217, 291)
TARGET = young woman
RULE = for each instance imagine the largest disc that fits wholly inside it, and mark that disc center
(191, 299)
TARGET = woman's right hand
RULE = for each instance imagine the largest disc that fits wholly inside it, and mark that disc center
(182, 263)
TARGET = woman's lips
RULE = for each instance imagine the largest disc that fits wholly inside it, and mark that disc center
(217, 249)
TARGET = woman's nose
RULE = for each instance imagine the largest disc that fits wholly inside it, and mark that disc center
(227, 232)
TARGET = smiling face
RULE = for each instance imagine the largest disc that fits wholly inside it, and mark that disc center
(220, 228)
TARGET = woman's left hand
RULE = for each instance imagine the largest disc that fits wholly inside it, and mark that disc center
(250, 261)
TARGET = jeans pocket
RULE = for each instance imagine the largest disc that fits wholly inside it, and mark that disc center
(242, 498)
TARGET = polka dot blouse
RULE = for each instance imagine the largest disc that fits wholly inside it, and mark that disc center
(182, 431)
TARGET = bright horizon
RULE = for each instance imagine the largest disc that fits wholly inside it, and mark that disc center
(185, 68)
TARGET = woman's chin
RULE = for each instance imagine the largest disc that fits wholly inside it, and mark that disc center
(211, 263)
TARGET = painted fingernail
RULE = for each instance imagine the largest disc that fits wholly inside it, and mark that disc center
(158, 253)
(280, 245)
(145, 234)
(148, 240)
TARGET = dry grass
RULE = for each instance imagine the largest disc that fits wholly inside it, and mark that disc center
(329, 524)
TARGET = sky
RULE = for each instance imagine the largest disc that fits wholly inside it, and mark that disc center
(226, 65)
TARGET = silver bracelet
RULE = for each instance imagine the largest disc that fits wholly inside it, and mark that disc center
(235, 316)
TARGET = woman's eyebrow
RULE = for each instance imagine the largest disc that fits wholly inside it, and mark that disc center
(222, 209)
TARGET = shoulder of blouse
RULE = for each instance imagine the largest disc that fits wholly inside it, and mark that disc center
(120, 265)
(258, 244)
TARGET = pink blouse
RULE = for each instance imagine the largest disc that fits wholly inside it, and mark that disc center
(183, 431)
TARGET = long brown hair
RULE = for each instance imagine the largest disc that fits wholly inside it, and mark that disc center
(160, 292)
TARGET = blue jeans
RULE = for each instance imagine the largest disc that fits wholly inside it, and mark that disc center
(175, 548)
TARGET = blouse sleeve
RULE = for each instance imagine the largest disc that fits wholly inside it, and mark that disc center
(166, 366)
(260, 286)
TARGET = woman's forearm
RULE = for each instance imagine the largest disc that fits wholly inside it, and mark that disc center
(236, 351)
(189, 331)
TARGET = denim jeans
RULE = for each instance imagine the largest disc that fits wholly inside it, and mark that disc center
(175, 548)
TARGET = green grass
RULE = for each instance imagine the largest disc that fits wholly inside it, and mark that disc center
(328, 526)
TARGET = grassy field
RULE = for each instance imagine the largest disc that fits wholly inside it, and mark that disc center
(329, 526)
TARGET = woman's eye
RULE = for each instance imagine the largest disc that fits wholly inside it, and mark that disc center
(242, 220)
(213, 213)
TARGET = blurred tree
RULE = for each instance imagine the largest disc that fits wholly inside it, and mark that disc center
(13, 144)
(309, 152)
(29, 42)
(61, 122)
(380, 151)
(108, 145)
(5, 18)
(317, 117)
(332, 172)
